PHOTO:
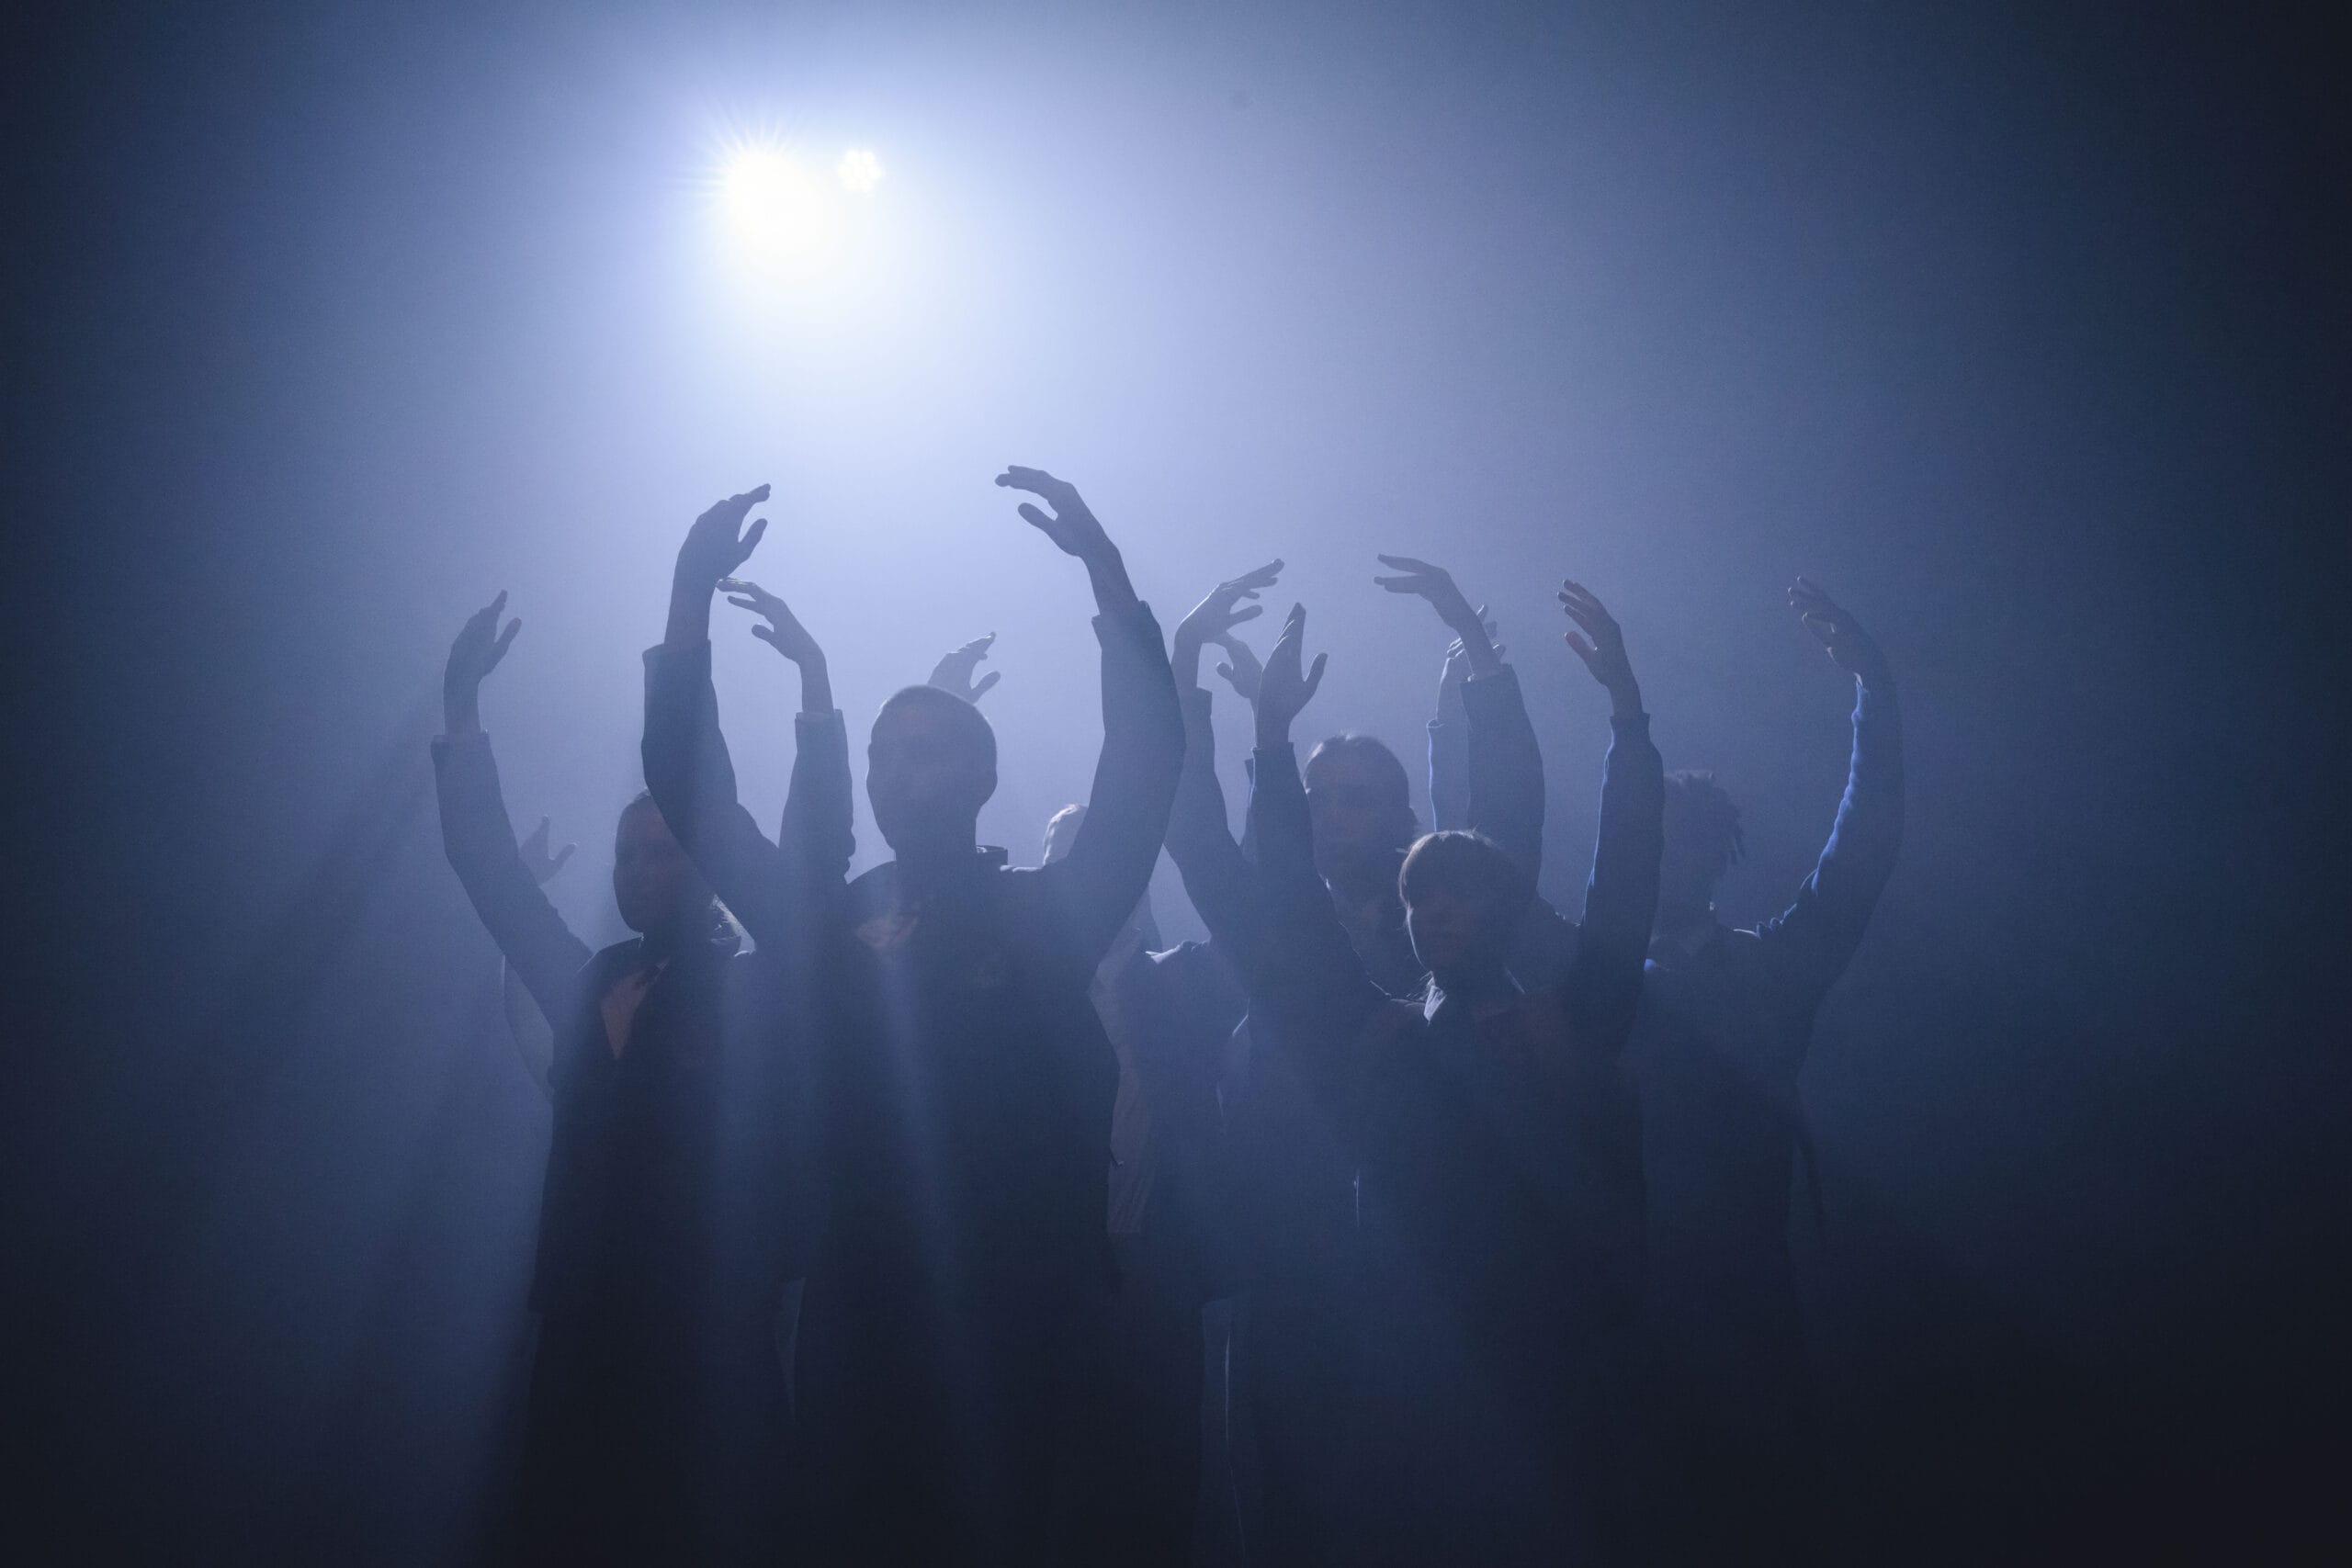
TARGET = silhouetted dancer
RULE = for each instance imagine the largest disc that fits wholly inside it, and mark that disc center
(1498, 1165)
(655, 1399)
(1725, 1021)
(956, 1292)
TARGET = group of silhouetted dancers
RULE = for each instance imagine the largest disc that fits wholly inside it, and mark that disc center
(881, 1214)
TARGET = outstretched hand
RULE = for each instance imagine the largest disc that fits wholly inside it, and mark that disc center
(1601, 645)
(1848, 646)
(1435, 583)
(1069, 526)
(784, 631)
(536, 859)
(954, 671)
(1242, 670)
(1455, 670)
(476, 652)
(718, 543)
(1074, 531)
(1214, 618)
(1288, 684)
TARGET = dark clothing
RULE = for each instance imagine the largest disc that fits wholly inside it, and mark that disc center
(961, 1268)
(1487, 774)
(655, 1390)
(1497, 1196)
(1725, 1021)
(1133, 1488)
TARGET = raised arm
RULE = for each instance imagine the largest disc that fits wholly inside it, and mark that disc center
(1501, 766)
(815, 835)
(1200, 834)
(477, 834)
(1814, 938)
(1308, 977)
(1449, 737)
(1097, 884)
(1604, 981)
(687, 767)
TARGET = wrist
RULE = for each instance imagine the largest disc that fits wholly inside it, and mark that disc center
(461, 712)
(689, 613)
(1184, 659)
(816, 686)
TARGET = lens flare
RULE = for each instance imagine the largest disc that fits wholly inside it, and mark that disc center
(781, 214)
(860, 171)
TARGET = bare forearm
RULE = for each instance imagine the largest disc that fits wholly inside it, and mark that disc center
(689, 613)
(461, 711)
(1106, 569)
(816, 687)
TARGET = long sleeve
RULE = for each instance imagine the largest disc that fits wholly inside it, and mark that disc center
(1504, 769)
(1200, 836)
(1448, 773)
(480, 840)
(1096, 885)
(1812, 940)
(692, 781)
(1604, 980)
(1309, 979)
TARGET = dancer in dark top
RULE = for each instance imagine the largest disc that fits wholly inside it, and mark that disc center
(656, 1399)
(1725, 1021)
(1135, 1476)
(1499, 1181)
(966, 1093)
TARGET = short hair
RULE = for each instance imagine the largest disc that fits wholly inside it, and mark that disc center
(1471, 865)
(962, 717)
(1694, 796)
(1375, 752)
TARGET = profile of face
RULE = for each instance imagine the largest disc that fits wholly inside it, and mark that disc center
(653, 882)
(926, 776)
(1356, 803)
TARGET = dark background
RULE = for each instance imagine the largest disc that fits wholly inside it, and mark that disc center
(2019, 326)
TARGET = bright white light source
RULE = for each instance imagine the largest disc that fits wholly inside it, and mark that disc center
(860, 171)
(783, 215)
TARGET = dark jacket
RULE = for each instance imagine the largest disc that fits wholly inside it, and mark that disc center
(962, 1103)
(1498, 1186)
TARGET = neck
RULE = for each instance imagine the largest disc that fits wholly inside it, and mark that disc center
(665, 936)
(927, 859)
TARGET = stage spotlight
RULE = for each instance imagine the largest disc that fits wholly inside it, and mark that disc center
(860, 171)
(782, 214)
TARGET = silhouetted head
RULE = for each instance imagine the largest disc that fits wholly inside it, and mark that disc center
(1361, 801)
(653, 882)
(1464, 897)
(929, 766)
(1061, 832)
(1703, 842)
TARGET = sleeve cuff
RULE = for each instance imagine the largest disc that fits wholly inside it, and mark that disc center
(474, 742)
(1630, 726)
(1139, 622)
(820, 726)
(662, 654)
